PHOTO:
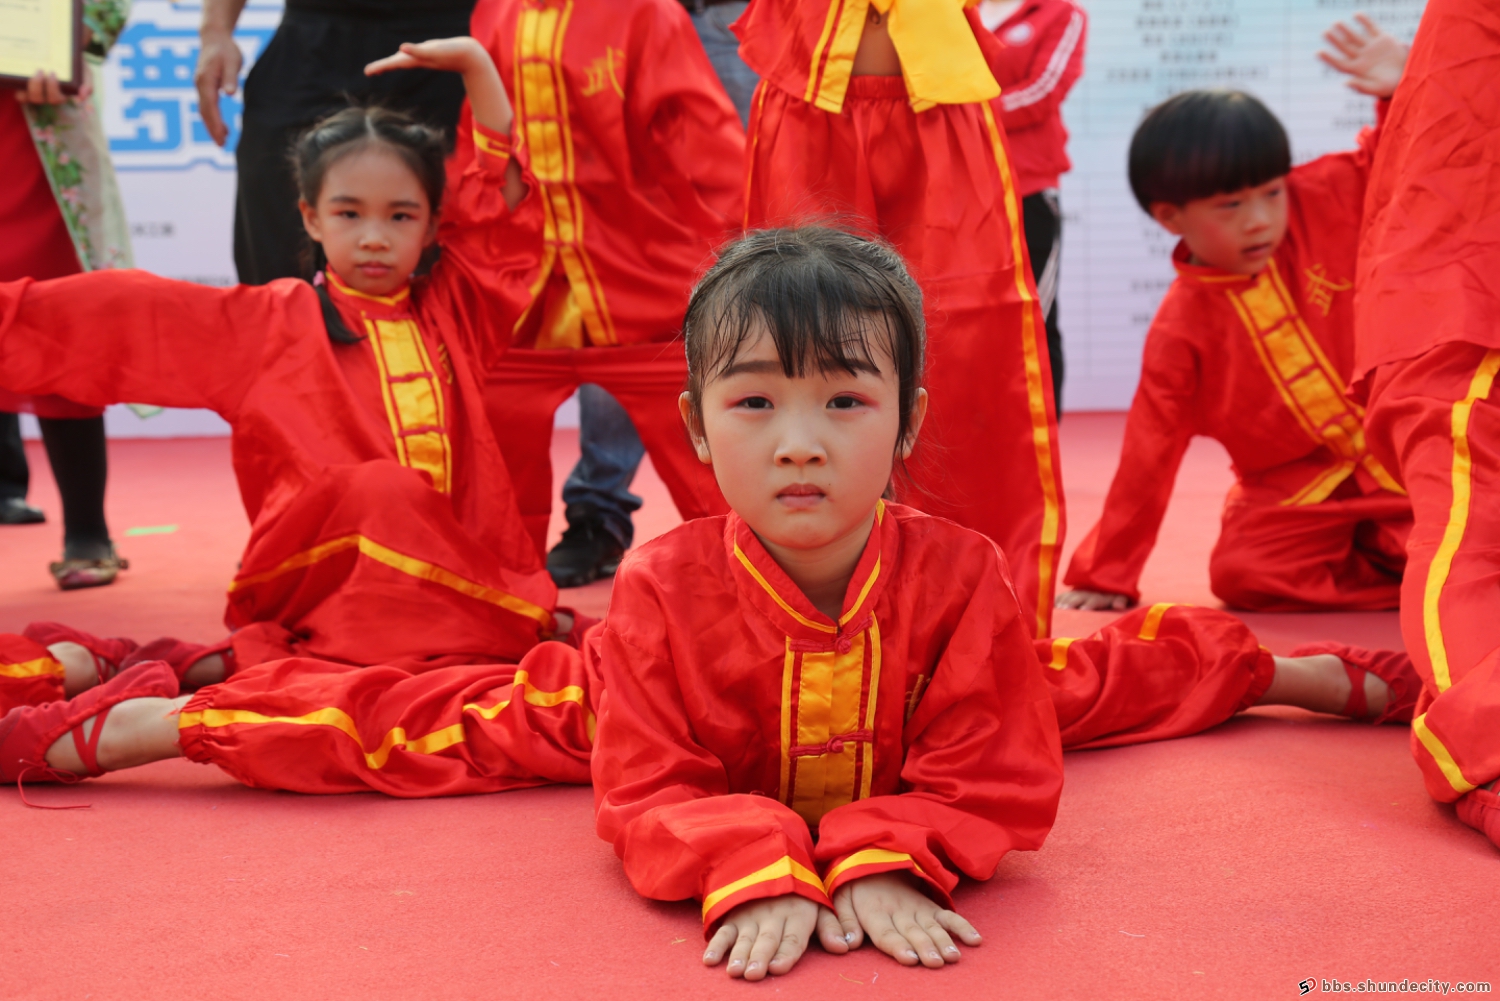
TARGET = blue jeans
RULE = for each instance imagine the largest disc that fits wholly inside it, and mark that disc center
(723, 51)
(611, 452)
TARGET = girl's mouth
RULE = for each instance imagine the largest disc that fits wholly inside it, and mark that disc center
(801, 495)
(374, 269)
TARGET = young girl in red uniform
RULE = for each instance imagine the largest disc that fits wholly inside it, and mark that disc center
(822, 709)
(385, 530)
(1253, 345)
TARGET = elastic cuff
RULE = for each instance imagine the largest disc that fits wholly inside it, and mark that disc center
(191, 733)
(784, 876)
(872, 861)
(1261, 677)
(494, 149)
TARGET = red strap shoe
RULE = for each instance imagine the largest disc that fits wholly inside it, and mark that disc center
(109, 654)
(182, 655)
(1393, 667)
(27, 732)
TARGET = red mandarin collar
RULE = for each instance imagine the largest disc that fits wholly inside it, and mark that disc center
(397, 304)
(765, 585)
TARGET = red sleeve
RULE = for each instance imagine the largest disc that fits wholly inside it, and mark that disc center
(663, 801)
(1038, 75)
(490, 251)
(982, 772)
(109, 336)
(684, 133)
(1157, 432)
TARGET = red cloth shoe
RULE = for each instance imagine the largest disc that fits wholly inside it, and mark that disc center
(1480, 809)
(27, 732)
(109, 654)
(181, 655)
(1391, 666)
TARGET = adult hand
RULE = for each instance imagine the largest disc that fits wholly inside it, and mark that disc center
(219, 62)
(902, 921)
(768, 936)
(1372, 59)
(1093, 601)
(43, 88)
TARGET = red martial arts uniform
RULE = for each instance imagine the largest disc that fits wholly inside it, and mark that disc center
(921, 160)
(384, 525)
(640, 158)
(1427, 320)
(917, 733)
(1040, 58)
(1259, 363)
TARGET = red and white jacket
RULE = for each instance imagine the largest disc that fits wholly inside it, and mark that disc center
(1041, 58)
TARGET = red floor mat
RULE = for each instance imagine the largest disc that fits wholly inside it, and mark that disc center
(1279, 847)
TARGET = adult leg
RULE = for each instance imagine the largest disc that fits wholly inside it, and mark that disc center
(79, 456)
(596, 495)
(1436, 419)
(1042, 213)
(723, 50)
(269, 241)
(15, 475)
(1315, 557)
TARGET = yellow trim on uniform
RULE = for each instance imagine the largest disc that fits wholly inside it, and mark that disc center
(1036, 394)
(1321, 486)
(739, 554)
(788, 671)
(385, 300)
(780, 869)
(1152, 624)
(1458, 519)
(830, 687)
(396, 738)
(1440, 755)
(869, 856)
(941, 61)
(1060, 647)
(413, 397)
(867, 747)
(41, 667)
(405, 564)
(842, 30)
(494, 147)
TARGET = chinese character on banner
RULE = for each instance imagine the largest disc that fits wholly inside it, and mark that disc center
(150, 103)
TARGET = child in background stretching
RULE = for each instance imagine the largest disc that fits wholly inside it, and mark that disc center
(822, 709)
(1253, 346)
(385, 530)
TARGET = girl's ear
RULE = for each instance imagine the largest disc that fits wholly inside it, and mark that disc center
(432, 231)
(310, 220)
(694, 421)
(918, 415)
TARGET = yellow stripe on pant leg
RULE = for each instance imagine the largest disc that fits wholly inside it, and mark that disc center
(1458, 519)
(1440, 755)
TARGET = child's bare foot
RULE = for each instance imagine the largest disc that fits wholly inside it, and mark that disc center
(136, 732)
(1321, 683)
(80, 670)
(1093, 601)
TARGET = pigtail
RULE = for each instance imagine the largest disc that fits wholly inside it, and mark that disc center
(338, 332)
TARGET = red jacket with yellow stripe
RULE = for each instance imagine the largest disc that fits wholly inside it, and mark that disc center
(914, 734)
(639, 153)
(1259, 363)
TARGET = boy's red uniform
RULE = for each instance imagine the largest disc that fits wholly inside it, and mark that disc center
(917, 733)
(1039, 60)
(384, 527)
(1259, 363)
(1428, 338)
(640, 160)
(921, 160)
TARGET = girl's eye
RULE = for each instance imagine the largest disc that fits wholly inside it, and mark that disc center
(843, 403)
(403, 216)
(756, 403)
(348, 214)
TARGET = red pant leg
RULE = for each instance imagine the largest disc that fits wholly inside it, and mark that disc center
(647, 379)
(29, 675)
(1437, 420)
(938, 186)
(319, 727)
(521, 397)
(1344, 553)
(1153, 674)
(369, 566)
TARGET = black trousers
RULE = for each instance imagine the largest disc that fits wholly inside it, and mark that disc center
(1041, 216)
(313, 66)
(79, 458)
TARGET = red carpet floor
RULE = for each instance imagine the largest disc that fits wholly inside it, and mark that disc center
(1279, 847)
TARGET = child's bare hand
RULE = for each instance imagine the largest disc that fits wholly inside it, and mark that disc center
(456, 55)
(902, 921)
(770, 935)
(1373, 60)
(1093, 601)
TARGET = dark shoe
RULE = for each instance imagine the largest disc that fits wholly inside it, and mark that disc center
(587, 550)
(72, 575)
(15, 511)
